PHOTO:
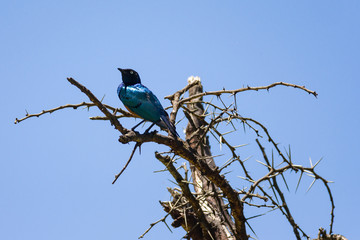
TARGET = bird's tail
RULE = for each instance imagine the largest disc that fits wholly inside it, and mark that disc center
(165, 119)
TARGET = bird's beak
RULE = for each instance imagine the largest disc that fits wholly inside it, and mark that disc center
(120, 70)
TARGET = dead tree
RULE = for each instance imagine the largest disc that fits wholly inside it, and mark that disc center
(204, 203)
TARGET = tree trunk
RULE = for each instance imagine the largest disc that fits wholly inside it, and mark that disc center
(206, 193)
(212, 205)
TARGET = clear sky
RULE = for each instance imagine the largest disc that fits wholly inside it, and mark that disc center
(56, 170)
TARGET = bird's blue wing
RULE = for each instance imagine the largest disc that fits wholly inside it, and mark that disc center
(141, 101)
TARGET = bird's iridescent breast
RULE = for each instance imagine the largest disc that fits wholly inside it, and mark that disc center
(140, 100)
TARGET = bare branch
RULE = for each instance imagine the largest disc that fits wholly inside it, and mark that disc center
(114, 121)
(153, 224)
(127, 163)
(218, 93)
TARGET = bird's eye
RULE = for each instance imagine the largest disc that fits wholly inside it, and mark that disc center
(131, 72)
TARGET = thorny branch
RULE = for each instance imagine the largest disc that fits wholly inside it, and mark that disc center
(233, 92)
(75, 106)
(127, 163)
(153, 224)
(212, 123)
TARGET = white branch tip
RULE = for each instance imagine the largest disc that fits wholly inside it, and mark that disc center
(192, 79)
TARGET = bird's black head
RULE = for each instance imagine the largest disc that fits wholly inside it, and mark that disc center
(129, 76)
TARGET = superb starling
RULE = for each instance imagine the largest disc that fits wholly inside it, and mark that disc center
(140, 101)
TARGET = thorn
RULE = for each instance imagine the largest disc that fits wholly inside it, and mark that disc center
(242, 145)
(263, 164)
(285, 182)
(311, 185)
(299, 181)
(318, 162)
(311, 175)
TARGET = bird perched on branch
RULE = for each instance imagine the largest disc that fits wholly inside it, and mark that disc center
(140, 101)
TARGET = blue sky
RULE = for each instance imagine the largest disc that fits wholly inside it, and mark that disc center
(56, 170)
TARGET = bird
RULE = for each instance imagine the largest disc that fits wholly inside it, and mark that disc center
(141, 102)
